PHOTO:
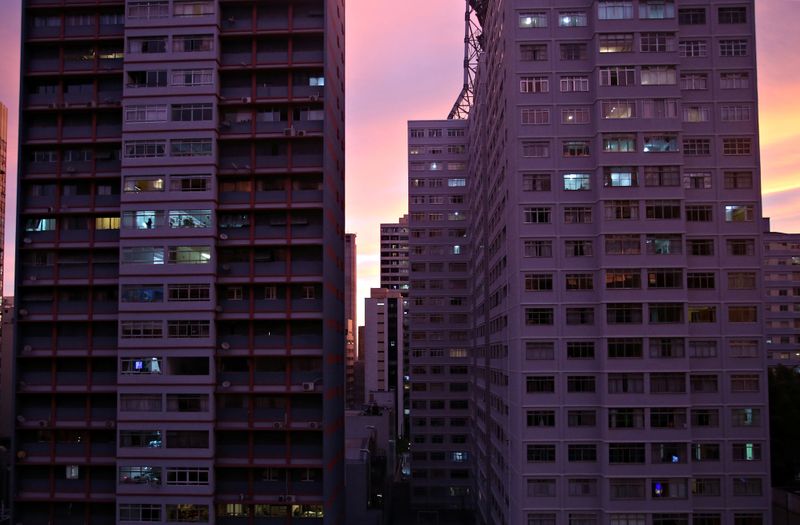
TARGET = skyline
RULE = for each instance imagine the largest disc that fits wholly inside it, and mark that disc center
(431, 55)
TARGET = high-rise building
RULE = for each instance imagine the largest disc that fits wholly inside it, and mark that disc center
(3, 177)
(439, 315)
(781, 292)
(618, 358)
(394, 255)
(180, 323)
(350, 317)
(383, 348)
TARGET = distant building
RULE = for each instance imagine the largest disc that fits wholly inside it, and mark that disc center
(394, 255)
(782, 297)
(350, 317)
(383, 344)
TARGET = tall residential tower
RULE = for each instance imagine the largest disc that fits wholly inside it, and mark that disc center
(180, 327)
(613, 189)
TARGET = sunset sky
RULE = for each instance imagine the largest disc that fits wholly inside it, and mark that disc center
(406, 63)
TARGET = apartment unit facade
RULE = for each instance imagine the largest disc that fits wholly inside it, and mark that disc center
(181, 250)
(782, 308)
(439, 315)
(617, 361)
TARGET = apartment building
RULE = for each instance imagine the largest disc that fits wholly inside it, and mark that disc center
(180, 325)
(394, 255)
(617, 354)
(439, 315)
(781, 290)
(350, 317)
(383, 350)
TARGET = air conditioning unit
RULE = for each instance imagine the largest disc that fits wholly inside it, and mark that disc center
(246, 100)
(308, 386)
(313, 425)
(301, 133)
(23, 312)
(226, 384)
(289, 132)
(223, 236)
(225, 345)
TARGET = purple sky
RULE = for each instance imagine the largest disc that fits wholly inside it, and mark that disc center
(404, 63)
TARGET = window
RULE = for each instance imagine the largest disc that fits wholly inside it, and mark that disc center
(192, 77)
(187, 403)
(700, 280)
(665, 278)
(538, 84)
(656, 9)
(696, 113)
(550, 519)
(659, 75)
(626, 489)
(578, 281)
(702, 349)
(187, 512)
(140, 438)
(668, 489)
(619, 109)
(541, 453)
(189, 218)
(735, 180)
(732, 15)
(626, 453)
(663, 244)
(692, 16)
(140, 402)
(693, 48)
(577, 182)
(148, 45)
(667, 383)
(620, 177)
(667, 209)
(744, 348)
(657, 42)
(537, 282)
(742, 314)
(191, 112)
(699, 213)
(624, 348)
(536, 215)
(736, 113)
(620, 210)
(747, 451)
(146, 113)
(615, 43)
(618, 76)
(538, 316)
(189, 255)
(580, 350)
(581, 418)
(143, 184)
(624, 244)
(735, 80)
(188, 329)
(746, 417)
(582, 453)
(539, 350)
(582, 487)
(625, 383)
(532, 248)
(578, 248)
(702, 314)
(614, 9)
(136, 149)
(541, 418)
(536, 182)
(623, 313)
(573, 51)
(187, 476)
(575, 115)
(665, 313)
(533, 52)
(143, 255)
(541, 488)
(574, 83)
(191, 147)
(705, 487)
(576, 148)
(733, 48)
(188, 292)
(659, 108)
(577, 215)
(668, 417)
(148, 9)
(537, 116)
(739, 213)
(703, 384)
(535, 149)
(747, 486)
(194, 7)
(572, 19)
(192, 43)
(534, 19)
(619, 143)
(694, 81)
(741, 247)
(580, 316)
(737, 146)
